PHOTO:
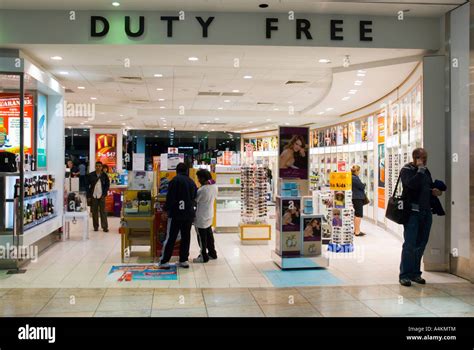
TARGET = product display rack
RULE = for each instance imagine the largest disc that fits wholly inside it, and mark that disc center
(37, 93)
(228, 200)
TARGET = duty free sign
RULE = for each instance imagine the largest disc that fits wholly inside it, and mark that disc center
(217, 28)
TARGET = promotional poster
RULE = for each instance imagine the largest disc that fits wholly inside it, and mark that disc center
(293, 162)
(106, 149)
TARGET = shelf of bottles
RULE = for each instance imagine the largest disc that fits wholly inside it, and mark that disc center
(39, 201)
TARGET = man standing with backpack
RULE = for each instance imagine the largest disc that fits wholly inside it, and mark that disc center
(180, 210)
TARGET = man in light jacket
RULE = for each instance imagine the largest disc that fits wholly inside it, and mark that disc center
(206, 196)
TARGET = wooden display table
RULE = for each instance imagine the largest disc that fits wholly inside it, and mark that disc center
(255, 233)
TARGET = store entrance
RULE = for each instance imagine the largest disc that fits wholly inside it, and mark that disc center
(196, 102)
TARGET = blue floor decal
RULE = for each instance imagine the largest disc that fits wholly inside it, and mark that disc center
(302, 278)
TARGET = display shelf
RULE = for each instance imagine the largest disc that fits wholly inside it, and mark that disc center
(229, 185)
(229, 198)
(36, 196)
(38, 222)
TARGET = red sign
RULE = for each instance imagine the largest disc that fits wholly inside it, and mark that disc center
(106, 149)
(10, 123)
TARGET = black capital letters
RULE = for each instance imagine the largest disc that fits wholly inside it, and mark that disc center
(105, 23)
(270, 27)
(170, 20)
(363, 30)
(205, 25)
(141, 28)
(302, 26)
(335, 30)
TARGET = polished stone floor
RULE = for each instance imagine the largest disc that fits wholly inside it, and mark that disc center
(392, 300)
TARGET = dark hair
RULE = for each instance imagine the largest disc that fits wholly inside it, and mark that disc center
(182, 168)
(418, 152)
(203, 175)
(98, 162)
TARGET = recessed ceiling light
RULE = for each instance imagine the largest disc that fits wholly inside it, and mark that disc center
(287, 123)
(290, 102)
(361, 71)
(251, 121)
(235, 90)
(226, 101)
(213, 129)
(158, 75)
(93, 98)
(220, 108)
(81, 87)
(346, 98)
(275, 109)
(162, 107)
(163, 118)
(216, 118)
(269, 120)
(193, 59)
(324, 60)
(159, 89)
(255, 129)
(248, 77)
(358, 82)
(352, 92)
(121, 115)
(56, 58)
(116, 4)
(329, 109)
(266, 127)
(109, 121)
(161, 99)
(82, 123)
(361, 74)
(320, 113)
(123, 123)
(165, 127)
(208, 121)
(64, 73)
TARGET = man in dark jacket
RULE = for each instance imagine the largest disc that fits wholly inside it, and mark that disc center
(419, 193)
(180, 207)
(98, 184)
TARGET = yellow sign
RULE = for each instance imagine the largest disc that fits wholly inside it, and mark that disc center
(340, 181)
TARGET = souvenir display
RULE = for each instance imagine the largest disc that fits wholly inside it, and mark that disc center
(253, 187)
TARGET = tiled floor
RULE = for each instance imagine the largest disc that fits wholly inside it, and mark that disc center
(85, 264)
(437, 300)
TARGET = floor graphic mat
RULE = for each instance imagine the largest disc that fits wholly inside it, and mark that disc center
(301, 278)
(141, 272)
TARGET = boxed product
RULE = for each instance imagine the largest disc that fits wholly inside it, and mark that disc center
(291, 243)
(289, 214)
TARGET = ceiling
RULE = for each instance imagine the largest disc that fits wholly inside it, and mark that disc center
(128, 97)
(424, 8)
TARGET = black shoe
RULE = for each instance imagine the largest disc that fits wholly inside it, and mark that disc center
(212, 257)
(106, 230)
(405, 282)
(419, 280)
(360, 234)
(96, 229)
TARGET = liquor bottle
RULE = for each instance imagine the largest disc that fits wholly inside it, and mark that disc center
(50, 206)
(29, 214)
(33, 186)
(16, 190)
(33, 164)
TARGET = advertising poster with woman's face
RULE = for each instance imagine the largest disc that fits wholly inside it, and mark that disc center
(312, 229)
(321, 138)
(358, 132)
(290, 215)
(345, 134)
(327, 137)
(294, 153)
(333, 136)
(364, 126)
(351, 132)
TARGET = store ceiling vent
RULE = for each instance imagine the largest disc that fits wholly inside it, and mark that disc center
(232, 94)
(139, 102)
(290, 82)
(130, 80)
(208, 93)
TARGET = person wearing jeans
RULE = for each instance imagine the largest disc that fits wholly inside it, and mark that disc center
(98, 184)
(206, 196)
(419, 193)
(180, 209)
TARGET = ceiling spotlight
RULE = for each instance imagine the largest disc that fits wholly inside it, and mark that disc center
(346, 98)
(159, 89)
(361, 71)
(320, 113)
(94, 98)
(324, 60)
(287, 123)
(275, 109)
(220, 108)
(268, 120)
(216, 118)
(248, 77)
(158, 75)
(109, 121)
(226, 101)
(116, 4)
(162, 107)
(235, 90)
(346, 61)
(64, 73)
(81, 87)
(193, 59)
(161, 99)
(358, 82)
(361, 74)
(123, 123)
(56, 58)
(329, 109)
(352, 92)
